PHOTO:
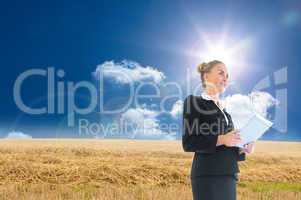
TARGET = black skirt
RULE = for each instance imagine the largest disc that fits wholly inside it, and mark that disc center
(214, 187)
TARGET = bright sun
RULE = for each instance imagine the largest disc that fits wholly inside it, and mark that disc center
(224, 48)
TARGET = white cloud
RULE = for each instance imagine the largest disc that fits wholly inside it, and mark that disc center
(144, 124)
(143, 121)
(18, 135)
(177, 109)
(242, 107)
(128, 72)
(262, 101)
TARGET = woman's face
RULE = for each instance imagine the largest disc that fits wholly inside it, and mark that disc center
(217, 78)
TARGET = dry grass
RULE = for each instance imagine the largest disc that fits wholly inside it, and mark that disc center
(127, 169)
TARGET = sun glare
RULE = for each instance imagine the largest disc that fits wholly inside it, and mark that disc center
(232, 52)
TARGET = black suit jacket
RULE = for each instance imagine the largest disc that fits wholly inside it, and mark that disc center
(203, 121)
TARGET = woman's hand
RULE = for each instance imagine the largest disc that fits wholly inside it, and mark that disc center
(230, 139)
(249, 148)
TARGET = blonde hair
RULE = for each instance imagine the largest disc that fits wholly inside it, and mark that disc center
(204, 68)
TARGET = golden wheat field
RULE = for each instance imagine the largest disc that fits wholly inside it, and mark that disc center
(134, 169)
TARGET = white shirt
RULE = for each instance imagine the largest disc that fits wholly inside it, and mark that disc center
(220, 106)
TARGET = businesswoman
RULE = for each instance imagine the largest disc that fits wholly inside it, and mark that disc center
(209, 132)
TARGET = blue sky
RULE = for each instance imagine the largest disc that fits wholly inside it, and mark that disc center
(78, 36)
